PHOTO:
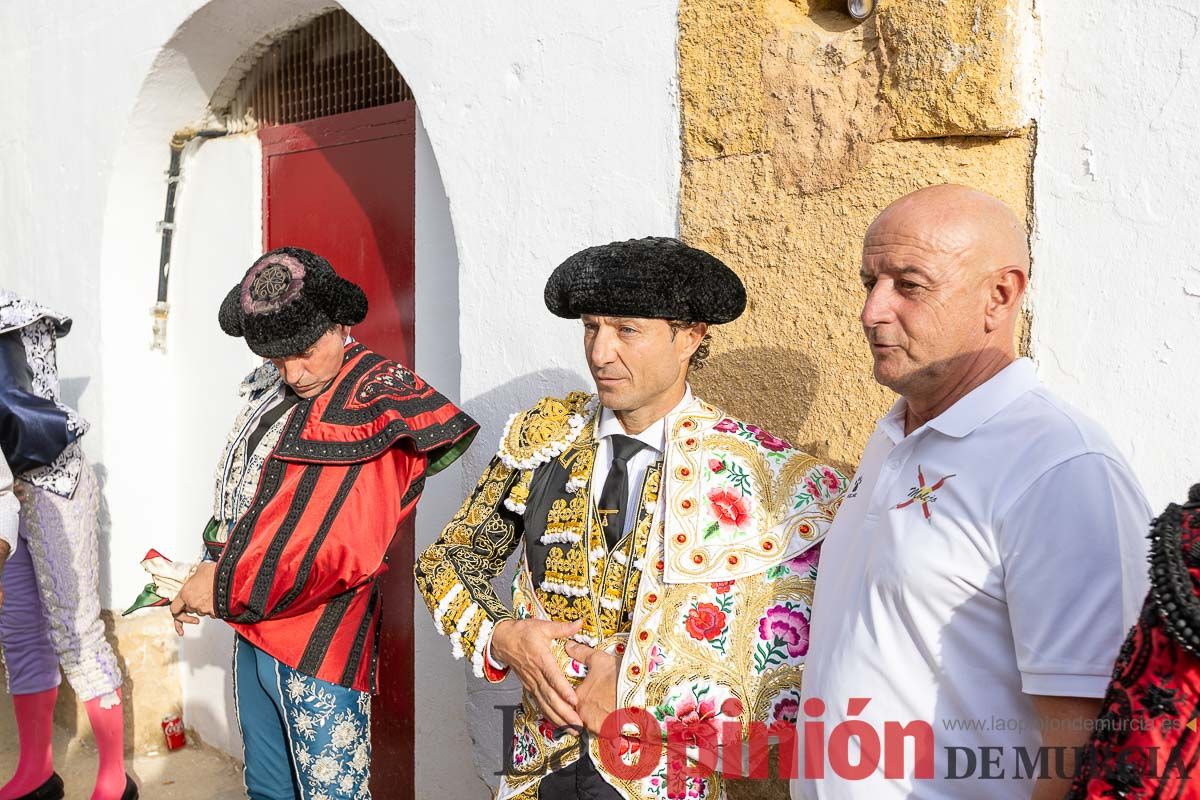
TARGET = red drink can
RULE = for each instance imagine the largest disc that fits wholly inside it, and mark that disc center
(172, 726)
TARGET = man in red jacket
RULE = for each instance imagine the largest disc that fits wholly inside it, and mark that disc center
(323, 464)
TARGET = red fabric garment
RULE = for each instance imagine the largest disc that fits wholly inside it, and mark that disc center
(1147, 741)
(298, 576)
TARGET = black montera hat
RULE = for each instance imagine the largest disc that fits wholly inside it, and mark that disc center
(288, 298)
(655, 277)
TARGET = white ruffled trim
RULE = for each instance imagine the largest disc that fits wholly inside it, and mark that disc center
(650, 506)
(583, 638)
(560, 537)
(598, 554)
(639, 564)
(466, 618)
(444, 604)
(613, 603)
(477, 658)
(513, 506)
(550, 451)
(575, 484)
(456, 645)
(620, 557)
(564, 589)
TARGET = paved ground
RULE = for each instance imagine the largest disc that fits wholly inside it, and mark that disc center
(193, 773)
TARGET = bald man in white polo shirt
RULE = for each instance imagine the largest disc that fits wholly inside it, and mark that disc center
(990, 555)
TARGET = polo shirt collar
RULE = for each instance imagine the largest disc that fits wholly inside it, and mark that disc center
(975, 408)
(654, 436)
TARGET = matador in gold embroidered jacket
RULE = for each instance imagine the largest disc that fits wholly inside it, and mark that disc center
(705, 599)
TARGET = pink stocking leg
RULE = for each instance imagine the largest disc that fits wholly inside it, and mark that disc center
(108, 726)
(35, 730)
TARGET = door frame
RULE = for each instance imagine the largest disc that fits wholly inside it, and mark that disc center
(381, 122)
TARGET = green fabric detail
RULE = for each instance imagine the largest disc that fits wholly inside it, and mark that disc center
(147, 599)
(440, 459)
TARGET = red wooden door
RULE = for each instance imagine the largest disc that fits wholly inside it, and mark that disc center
(343, 186)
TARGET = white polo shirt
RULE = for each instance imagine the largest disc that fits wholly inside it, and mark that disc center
(996, 552)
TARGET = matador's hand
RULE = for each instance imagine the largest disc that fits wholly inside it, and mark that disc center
(195, 597)
(524, 644)
(598, 692)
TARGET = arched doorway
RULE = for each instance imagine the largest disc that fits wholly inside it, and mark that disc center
(222, 224)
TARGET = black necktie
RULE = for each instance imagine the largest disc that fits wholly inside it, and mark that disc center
(615, 494)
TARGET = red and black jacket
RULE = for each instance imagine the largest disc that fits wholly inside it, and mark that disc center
(298, 576)
(1147, 740)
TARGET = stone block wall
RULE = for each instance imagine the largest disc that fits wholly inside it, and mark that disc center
(799, 125)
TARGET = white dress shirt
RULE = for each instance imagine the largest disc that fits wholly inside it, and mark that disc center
(655, 439)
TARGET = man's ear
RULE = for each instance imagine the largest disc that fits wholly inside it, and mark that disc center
(694, 336)
(1004, 298)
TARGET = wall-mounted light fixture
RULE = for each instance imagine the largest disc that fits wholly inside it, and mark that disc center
(860, 9)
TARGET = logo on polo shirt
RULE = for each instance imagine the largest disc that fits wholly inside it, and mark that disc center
(854, 488)
(922, 494)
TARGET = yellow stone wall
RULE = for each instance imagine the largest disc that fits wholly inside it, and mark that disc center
(799, 125)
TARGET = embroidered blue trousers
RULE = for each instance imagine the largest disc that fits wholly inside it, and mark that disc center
(303, 738)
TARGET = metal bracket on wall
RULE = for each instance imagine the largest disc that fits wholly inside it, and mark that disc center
(860, 9)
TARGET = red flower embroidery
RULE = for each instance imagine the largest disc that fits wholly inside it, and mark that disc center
(546, 728)
(722, 587)
(705, 622)
(716, 464)
(729, 507)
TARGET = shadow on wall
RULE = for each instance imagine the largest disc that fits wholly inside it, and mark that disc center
(738, 380)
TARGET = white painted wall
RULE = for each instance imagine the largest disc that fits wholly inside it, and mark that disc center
(219, 223)
(1116, 287)
(551, 126)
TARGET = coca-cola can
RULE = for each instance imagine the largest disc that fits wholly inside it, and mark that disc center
(172, 726)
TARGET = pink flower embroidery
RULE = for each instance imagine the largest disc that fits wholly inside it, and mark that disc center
(804, 563)
(830, 479)
(729, 507)
(657, 659)
(811, 487)
(726, 426)
(787, 709)
(716, 464)
(771, 442)
(786, 624)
